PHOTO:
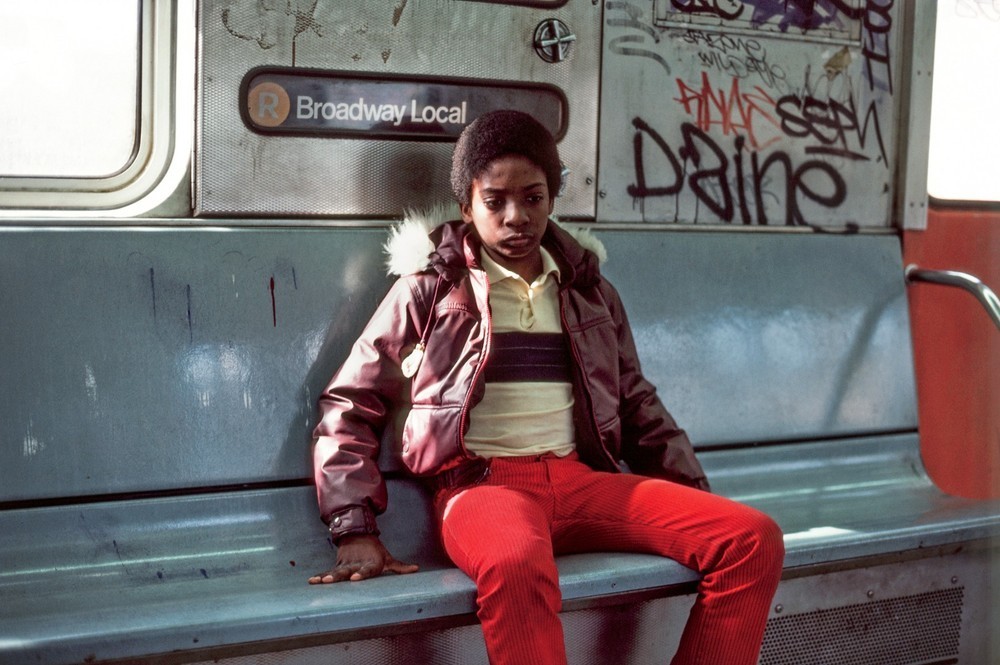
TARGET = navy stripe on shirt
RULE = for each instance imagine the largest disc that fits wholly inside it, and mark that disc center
(520, 356)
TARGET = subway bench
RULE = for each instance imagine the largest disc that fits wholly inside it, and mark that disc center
(160, 390)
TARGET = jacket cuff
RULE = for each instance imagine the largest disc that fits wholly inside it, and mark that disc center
(354, 520)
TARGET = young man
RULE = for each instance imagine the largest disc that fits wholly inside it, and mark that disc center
(517, 366)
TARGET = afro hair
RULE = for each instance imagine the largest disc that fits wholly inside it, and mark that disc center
(497, 134)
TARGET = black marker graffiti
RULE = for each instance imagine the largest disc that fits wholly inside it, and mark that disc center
(709, 7)
(743, 66)
(714, 177)
(829, 122)
(876, 49)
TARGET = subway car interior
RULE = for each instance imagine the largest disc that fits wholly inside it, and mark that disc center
(800, 204)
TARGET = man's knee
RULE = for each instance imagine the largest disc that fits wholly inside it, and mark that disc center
(768, 539)
(523, 576)
(525, 558)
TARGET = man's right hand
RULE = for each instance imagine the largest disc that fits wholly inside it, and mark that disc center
(360, 557)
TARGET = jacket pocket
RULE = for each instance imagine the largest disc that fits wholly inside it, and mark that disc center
(588, 324)
(610, 432)
(430, 438)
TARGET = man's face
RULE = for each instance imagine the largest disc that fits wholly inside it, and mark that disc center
(510, 209)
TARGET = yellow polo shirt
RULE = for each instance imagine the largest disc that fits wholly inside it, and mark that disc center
(527, 408)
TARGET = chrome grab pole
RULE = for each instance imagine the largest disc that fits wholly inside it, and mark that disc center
(984, 294)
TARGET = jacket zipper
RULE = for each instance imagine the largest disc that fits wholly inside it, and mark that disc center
(479, 370)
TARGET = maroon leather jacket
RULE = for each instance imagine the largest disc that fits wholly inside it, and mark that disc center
(617, 413)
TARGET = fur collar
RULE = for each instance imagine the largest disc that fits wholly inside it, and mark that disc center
(410, 246)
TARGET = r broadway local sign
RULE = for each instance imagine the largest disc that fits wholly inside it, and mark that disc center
(351, 104)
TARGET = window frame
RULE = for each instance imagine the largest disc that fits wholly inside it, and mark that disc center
(160, 163)
(948, 195)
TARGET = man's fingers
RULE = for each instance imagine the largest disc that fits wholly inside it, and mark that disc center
(338, 574)
(400, 568)
(361, 559)
(322, 578)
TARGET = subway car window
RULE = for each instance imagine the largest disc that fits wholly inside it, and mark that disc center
(76, 66)
(965, 134)
(104, 115)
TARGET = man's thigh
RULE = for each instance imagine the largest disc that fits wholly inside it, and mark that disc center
(597, 511)
(487, 525)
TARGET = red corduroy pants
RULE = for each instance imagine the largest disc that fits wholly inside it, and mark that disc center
(505, 531)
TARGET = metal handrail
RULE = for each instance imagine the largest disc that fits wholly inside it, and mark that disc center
(984, 294)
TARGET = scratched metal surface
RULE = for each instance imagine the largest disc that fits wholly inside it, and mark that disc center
(749, 112)
(155, 359)
(764, 337)
(934, 610)
(641, 633)
(240, 172)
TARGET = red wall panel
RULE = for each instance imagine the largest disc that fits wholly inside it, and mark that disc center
(957, 352)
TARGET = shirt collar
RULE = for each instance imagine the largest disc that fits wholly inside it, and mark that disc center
(496, 272)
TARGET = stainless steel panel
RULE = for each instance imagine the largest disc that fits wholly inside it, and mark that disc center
(749, 112)
(918, 628)
(637, 634)
(934, 610)
(239, 172)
